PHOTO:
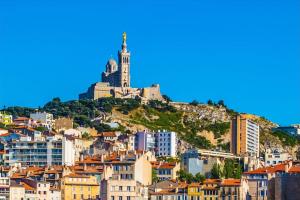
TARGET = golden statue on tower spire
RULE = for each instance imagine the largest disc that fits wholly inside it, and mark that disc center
(124, 37)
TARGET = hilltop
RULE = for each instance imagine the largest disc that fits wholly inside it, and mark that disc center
(200, 125)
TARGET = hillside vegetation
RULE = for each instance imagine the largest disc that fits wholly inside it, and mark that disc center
(200, 125)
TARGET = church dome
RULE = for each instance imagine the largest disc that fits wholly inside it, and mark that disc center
(112, 62)
(111, 66)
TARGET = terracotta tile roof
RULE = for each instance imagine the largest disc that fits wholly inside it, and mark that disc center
(88, 169)
(21, 119)
(89, 160)
(194, 184)
(164, 192)
(76, 176)
(163, 165)
(211, 181)
(295, 169)
(266, 170)
(231, 182)
(26, 186)
(5, 134)
(108, 134)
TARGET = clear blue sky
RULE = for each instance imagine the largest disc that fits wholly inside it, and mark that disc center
(244, 52)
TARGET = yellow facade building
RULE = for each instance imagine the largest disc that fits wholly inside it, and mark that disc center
(79, 187)
(195, 191)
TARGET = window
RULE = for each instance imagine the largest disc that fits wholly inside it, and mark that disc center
(74, 196)
(128, 188)
(112, 198)
(45, 192)
(120, 197)
(120, 188)
(128, 198)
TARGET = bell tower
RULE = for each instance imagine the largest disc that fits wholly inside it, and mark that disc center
(124, 64)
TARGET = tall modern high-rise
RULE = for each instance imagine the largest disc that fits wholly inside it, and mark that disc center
(244, 136)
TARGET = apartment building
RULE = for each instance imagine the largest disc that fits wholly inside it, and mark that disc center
(244, 136)
(168, 190)
(4, 188)
(78, 187)
(116, 188)
(44, 119)
(43, 152)
(130, 165)
(63, 123)
(166, 143)
(145, 141)
(165, 170)
(276, 156)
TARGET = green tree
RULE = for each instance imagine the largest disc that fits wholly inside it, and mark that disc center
(86, 136)
(167, 98)
(238, 172)
(199, 177)
(188, 177)
(194, 103)
(216, 171)
(221, 103)
(210, 102)
(154, 176)
(41, 129)
(185, 176)
(228, 170)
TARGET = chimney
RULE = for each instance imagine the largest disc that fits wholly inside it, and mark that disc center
(287, 165)
(102, 158)
(84, 167)
(81, 157)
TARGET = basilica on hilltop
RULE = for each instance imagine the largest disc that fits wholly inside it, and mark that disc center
(116, 81)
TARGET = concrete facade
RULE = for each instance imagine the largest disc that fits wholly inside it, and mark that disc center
(273, 157)
(144, 141)
(166, 143)
(117, 189)
(244, 136)
(79, 187)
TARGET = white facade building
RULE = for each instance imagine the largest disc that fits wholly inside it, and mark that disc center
(54, 194)
(4, 187)
(166, 143)
(252, 137)
(43, 190)
(72, 132)
(68, 152)
(274, 157)
(46, 119)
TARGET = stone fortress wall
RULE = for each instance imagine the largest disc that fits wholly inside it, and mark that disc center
(116, 81)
